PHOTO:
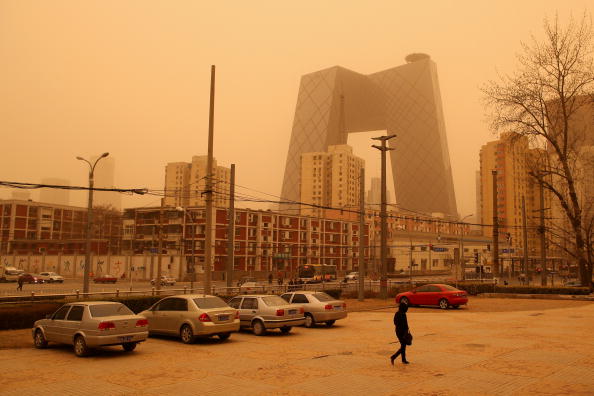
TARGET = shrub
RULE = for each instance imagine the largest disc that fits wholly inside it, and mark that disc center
(22, 316)
(336, 293)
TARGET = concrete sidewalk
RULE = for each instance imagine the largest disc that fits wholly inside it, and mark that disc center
(455, 352)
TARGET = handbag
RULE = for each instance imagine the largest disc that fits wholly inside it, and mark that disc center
(408, 339)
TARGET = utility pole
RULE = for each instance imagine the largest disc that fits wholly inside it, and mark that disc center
(525, 237)
(541, 229)
(209, 187)
(362, 268)
(495, 227)
(383, 218)
(160, 256)
(231, 230)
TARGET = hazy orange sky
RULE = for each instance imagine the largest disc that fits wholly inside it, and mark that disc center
(132, 78)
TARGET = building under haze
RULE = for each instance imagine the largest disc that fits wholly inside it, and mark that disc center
(330, 179)
(105, 178)
(55, 195)
(405, 101)
(374, 194)
(510, 156)
(185, 183)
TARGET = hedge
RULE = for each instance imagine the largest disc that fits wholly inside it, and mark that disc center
(477, 288)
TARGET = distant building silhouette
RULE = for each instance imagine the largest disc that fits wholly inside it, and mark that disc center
(54, 195)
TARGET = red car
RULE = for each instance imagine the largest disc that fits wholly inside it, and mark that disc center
(28, 278)
(444, 296)
(105, 279)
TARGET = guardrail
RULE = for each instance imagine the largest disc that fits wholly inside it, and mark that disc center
(219, 290)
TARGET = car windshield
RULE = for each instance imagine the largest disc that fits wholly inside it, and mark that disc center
(210, 302)
(322, 297)
(449, 288)
(98, 311)
(274, 301)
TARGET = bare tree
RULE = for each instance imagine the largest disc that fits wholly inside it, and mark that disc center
(554, 83)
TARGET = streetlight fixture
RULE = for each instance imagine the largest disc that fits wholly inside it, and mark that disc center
(89, 219)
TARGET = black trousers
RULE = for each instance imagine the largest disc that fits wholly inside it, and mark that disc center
(401, 351)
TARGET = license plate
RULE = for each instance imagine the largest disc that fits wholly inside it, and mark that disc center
(223, 317)
(125, 338)
(292, 311)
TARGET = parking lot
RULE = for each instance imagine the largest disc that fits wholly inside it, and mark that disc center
(543, 347)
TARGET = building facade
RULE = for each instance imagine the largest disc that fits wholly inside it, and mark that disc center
(512, 159)
(264, 241)
(29, 227)
(330, 179)
(185, 183)
(405, 101)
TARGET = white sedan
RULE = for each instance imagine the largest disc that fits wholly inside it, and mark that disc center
(50, 277)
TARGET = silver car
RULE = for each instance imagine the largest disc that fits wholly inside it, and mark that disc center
(91, 324)
(50, 277)
(319, 307)
(192, 315)
(262, 312)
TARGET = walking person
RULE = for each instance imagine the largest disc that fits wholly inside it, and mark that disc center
(402, 332)
(20, 282)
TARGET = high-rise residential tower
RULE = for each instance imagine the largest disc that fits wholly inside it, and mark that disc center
(55, 195)
(374, 194)
(405, 101)
(330, 180)
(185, 183)
(105, 178)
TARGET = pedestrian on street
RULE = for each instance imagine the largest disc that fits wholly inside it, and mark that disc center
(20, 282)
(269, 279)
(402, 331)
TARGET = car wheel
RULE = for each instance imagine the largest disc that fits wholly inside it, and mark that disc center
(39, 339)
(80, 346)
(129, 346)
(309, 320)
(186, 334)
(330, 323)
(443, 303)
(286, 329)
(259, 328)
(224, 336)
(405, 300)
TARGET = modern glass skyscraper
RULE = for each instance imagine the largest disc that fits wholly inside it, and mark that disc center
(405, 101)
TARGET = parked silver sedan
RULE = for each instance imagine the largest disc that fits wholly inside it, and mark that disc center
(319, 307)
(91, 324)
(261, 312)
(192, 315)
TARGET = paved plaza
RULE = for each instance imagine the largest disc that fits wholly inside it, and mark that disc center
(455, 352)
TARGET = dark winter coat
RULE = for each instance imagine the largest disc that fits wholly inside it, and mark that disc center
(400, 321)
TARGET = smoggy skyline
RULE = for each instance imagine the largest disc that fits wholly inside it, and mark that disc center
(132, 78)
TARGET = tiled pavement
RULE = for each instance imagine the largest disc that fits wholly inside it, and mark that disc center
(458, 352)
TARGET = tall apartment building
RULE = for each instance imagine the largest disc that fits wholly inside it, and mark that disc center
(374, 194)
(330, 179)
(55, 195)
(510, 156)
(105, 178)
(185, 183)
(177, 184)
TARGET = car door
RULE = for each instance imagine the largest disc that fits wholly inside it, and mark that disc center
(420, 295)
(157, 323)
(300, 298)
(236, 303)
(72, 322)
(249, 309)
(433, 294)
(55, 328)
(173, 319)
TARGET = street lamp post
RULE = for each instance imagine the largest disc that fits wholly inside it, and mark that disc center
(89, 220)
